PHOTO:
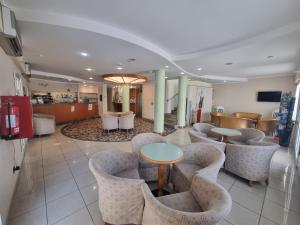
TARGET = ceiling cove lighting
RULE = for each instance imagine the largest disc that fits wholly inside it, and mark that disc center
(125, 78)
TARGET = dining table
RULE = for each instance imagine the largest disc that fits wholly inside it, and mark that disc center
(163, 155)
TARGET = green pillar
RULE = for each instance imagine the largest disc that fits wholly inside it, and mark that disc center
(159, 101)
(125, 98)
(181, 110)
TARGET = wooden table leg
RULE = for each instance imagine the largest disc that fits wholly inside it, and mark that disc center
(161, 173)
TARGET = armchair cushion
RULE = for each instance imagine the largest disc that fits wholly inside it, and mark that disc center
(183, 201)
(130, 173)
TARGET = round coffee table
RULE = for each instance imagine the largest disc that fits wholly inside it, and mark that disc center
(226, 133)
(161, 154)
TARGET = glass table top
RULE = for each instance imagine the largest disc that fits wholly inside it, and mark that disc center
(226, 132)
(161, 153)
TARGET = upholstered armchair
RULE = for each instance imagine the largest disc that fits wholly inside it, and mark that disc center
(196, 137)
(109, 122)
(204, 129)
(126, 122)
(148, 171)
(120, 197)
(206, 203)
(43, 124)
(251, 162)
(248, 134)
(199, 158)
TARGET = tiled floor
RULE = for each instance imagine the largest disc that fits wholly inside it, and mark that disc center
(56, 186)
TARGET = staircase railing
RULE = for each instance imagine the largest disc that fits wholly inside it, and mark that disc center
(172, 98)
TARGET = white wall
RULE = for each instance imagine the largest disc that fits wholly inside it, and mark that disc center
(148, 100)
(50, 86)
(7, 178)
(171, 91)
(241, 97)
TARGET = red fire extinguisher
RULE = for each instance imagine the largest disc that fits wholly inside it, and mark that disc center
(10, 120)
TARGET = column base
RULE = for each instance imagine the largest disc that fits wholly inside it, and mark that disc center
(161, 133)
(181, 127)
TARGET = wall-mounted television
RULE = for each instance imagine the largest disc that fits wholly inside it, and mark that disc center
(268, 96)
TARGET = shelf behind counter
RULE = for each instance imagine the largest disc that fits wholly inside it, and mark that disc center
(67, 112)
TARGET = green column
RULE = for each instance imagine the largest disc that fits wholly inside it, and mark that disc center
(181, 110)
(159, 101)
(125, 98)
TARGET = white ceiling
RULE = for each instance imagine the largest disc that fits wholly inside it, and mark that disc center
(182, 34)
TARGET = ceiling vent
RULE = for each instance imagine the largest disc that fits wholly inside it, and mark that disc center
(10, 39)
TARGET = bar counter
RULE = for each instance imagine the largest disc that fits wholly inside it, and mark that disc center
(67, 112)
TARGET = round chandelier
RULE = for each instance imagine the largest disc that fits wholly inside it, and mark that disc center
(125, 78)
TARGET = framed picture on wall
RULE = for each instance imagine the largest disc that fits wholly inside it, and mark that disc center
(18, 84)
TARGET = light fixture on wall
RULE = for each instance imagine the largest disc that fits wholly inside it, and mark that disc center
(125, 78)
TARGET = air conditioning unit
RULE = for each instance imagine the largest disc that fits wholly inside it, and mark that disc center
(10, 39)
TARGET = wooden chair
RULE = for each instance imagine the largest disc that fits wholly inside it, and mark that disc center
(267, 125)
(234, 122)
(247, 115)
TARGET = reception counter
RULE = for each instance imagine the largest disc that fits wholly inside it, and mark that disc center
(67, 112)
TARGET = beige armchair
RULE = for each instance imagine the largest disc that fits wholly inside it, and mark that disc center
(120, 197)
(248, 134)
(43, 124)
(199, 158)
(126, 122)
(206, 203)
(148, 171)
(109, 122)
(195, 138)
(251, 162)
(204, 129)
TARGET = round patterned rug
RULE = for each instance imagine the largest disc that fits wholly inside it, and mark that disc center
(91, 130)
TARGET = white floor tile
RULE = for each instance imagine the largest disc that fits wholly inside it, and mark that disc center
(279, 214)
(264, 221)
(79, 166)
(247, 199)
(90, 193)
(85, 179)
(64, 207)
(55, 168)
(95, 213)
(81, 217)
(35, 217)
(242, 216)
(58, 177)
(58, 190)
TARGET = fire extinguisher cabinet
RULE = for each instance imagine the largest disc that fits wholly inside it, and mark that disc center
(16, 117)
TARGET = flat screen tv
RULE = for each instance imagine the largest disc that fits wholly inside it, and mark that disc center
(268, 96)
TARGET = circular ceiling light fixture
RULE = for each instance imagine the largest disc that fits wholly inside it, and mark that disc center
(84, 54)
(91, 78)
(125, 78)
(228, 63)
(199, 68)
(182, 73)
(89, 69)
(167, 66)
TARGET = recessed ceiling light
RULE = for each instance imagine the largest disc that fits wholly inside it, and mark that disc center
(225, 81)
(84, 82)
(199, 68)
(270, 56)
(41, 55)
(119, 68)
(166, 77)
(166, 66)
(84, 54)
(228, 63)
(91, 78)
(89, 69)
(182, 73)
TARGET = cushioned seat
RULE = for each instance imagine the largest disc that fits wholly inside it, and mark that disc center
(119, 187)
(183, 201)
(186, 171)
(131, 174)
(199, 158)
(205, 203)
(248, 135)
(197, 138)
